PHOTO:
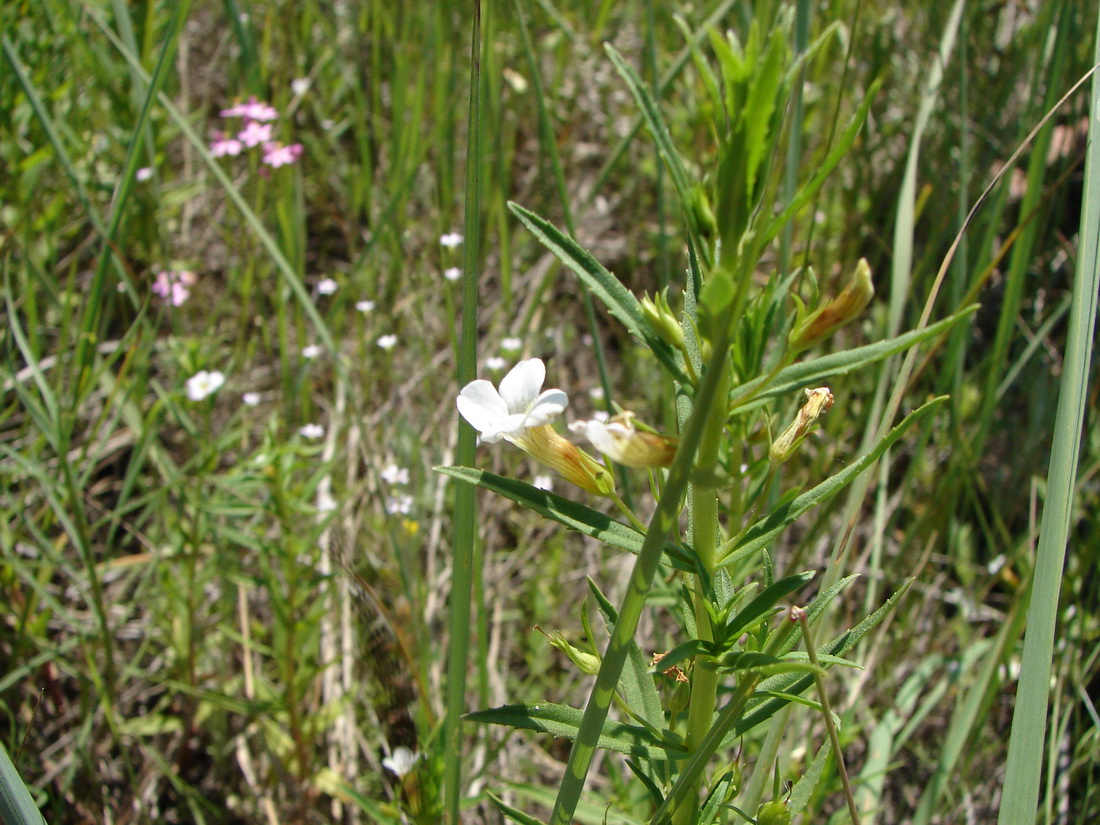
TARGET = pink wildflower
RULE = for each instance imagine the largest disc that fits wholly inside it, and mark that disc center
(275, 154)
(255, 133)
(252, 109)
(174, 287)
(223, 145)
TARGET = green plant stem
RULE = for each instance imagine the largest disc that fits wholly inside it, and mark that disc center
(811, 651)
(704, 514)
(662, 522)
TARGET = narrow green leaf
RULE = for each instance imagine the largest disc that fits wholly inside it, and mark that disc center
(764, 531)
(793, 684)
(764, 603)
(619, 300)
(513, 813)
(813, 372)
(568, 513)
(563, 722)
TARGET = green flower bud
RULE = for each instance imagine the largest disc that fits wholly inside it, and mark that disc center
(844, 308)
(587, 662)
(775, 812)
(662, 319)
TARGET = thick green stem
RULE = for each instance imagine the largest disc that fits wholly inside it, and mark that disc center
(704, 511)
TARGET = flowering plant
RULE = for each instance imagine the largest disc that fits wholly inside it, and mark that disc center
(730, 356)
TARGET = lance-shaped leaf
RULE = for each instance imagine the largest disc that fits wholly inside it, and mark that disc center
(764, 531)
(564, 721)
(815, 371)
(764, 603)
(568, 513)
(619, 300)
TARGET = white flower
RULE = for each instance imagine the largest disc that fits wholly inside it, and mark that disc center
(596, 393)
(621, 441)
(251, 399)
(311, 431)
(327, 286)
(325, 502)
(452, 273)
(511, 344)
(543, 482)
(401, 761)
(311, 352)
(516, 407)
(450, 240)
(387, 341)
(204, 383)
(399, 505)
(364, 306)
(495, 363)
(300, 85)
(144, 173)
(393, 474)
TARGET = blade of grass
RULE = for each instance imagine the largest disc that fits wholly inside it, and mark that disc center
(465, 514)
(1025, 748)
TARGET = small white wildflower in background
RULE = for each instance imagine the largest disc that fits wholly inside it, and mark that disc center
(251, 399)
(311, 431)
(299, 85)
(543, 482)
(596, 393)
(387, 341)
(327, 124)
(450, 240)
(495, 363)
(401, 761)
(325, 502)
(327, 286)
(392, 474)
(452, 273)
(603, 416)
(399, 505)
(144, 173)
(364, 306)
(204, 383)
(511, 344)
(312, 351)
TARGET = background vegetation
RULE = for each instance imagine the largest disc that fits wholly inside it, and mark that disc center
(215, 614)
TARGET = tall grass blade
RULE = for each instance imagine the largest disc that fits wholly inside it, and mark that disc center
(465, 527)
(16, 805)
(1025, 748)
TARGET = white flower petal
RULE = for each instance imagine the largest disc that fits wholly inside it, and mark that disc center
(547, 407)
(520, 387)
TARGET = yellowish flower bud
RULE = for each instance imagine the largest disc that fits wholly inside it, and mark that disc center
(662, 319)
(845, 307)
(621, 441)
(571, 462)
(818, 402)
